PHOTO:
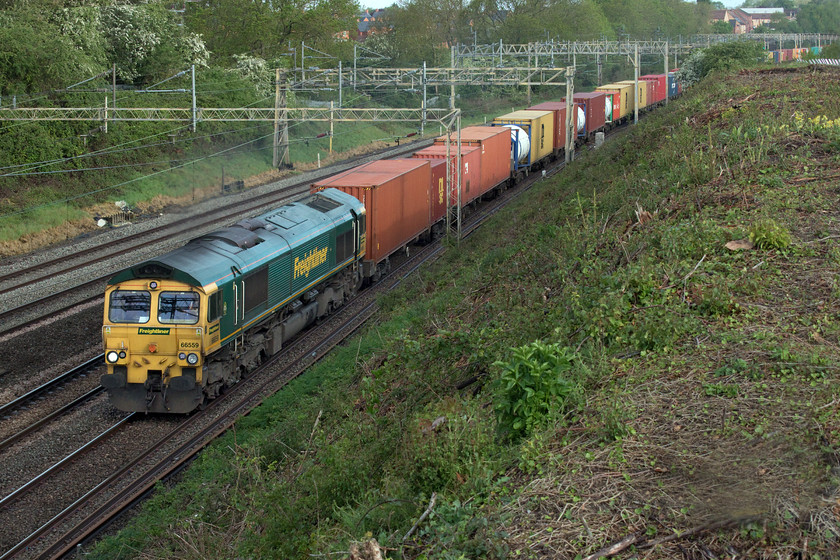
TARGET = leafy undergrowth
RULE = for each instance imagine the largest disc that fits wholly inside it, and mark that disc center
(643, 352)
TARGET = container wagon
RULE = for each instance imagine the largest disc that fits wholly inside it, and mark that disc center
(661, 86)
(532, 137)
(396, 197)
(596, 106)
(494, 145)
(558, 108)
(470, 168)
(643, 90)
(622, 100)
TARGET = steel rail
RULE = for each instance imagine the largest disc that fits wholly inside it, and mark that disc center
(19, 402)
(55, 414)
(15, 495)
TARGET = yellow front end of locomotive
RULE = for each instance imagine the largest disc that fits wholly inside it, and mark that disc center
(153, 336)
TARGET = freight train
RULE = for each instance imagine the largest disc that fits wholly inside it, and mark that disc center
(181, 327)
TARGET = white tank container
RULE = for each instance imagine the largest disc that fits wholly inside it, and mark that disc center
(520, 144)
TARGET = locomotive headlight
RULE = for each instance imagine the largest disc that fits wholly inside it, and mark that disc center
(192, 359)
(112, 357)
(122, 354)
(182, 356)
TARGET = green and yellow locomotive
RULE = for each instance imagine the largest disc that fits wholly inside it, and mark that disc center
(180, 327)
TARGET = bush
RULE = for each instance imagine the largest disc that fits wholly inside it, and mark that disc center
(531, 386)
(722, 57)
(768, 234)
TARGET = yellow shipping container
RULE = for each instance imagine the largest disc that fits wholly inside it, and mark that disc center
(624, 107)
(643, 101)
(538, 125)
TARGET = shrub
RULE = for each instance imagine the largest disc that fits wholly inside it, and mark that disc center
(722, 57)
(769, 234)
(531, 386)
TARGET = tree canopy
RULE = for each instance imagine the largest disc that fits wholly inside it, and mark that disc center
(267, 29)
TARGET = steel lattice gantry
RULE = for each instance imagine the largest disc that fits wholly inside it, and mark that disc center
(251, 114)
(493, 52)
(413, 78)
(449, 118)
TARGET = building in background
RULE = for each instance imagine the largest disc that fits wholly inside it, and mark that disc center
(746, 20)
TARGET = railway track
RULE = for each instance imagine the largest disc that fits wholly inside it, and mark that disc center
(52, 385)
(102, 254)
(39, 394)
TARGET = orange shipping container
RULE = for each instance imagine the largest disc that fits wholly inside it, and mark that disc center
(395, 193)
(495, 153)
(438, 192)
(661, 87)
(470, 168)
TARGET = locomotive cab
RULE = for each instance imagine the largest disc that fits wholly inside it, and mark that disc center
(154, 339)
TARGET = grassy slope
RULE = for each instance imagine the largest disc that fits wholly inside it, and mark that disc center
(703, 386)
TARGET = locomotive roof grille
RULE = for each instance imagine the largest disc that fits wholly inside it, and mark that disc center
(322, 204)
(252, 224)
(153, 270)
(236, 236)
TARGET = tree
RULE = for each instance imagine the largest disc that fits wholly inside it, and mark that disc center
(819, 16)
(779, 23)
(721, 27)
(36, 56)
(788, 5)
(642, 18)
(535, 20)
(719, 58)
(265, 29)
(145, 42)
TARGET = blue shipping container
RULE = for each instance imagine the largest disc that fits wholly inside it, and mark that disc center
(672, 85)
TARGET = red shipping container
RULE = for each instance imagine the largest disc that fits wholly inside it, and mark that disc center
(559, 110)
(470, 168)
(651, 96)
(661, 88)
(395, 193)
(494, 142)
(615, 98)
(595, 108)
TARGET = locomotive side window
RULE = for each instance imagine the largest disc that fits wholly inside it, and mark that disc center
(129, 306)
(214, 306)
(178, 307)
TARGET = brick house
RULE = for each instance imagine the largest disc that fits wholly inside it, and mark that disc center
(746, 20)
